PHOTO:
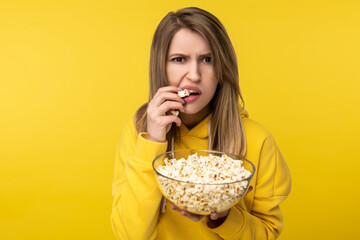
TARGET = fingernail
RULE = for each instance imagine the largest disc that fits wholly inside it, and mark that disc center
(249, 189)
(179, 89)
(182, 101)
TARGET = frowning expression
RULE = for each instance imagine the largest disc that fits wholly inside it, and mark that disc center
(190, 66)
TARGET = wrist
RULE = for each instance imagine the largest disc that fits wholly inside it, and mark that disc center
(154, 139)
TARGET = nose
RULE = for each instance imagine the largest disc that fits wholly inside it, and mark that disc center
(194, 71)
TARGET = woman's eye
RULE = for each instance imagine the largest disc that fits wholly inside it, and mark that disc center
(178, 59)
(207, 59)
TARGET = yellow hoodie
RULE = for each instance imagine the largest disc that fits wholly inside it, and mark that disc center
(136, 206)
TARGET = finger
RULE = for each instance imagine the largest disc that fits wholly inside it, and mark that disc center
(249, 190)
(214, 216)
(170, 105)
(173, 207)
(171, 89)
(169, 119)
(162, 122)
(167, 96)
(192, 216)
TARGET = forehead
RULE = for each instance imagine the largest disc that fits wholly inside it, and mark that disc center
(188, 41)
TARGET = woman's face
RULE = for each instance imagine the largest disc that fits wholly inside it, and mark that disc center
(189, 65)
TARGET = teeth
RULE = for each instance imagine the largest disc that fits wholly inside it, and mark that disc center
(192, 91)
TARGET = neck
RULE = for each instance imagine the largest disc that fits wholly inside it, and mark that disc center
(191, 120)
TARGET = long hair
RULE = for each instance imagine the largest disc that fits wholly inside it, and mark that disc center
(226, 126)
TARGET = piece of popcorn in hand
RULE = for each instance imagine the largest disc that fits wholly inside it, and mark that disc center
(175, 112)
(182, 93)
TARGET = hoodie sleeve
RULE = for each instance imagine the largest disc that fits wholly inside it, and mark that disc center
(136, 197)
(273, 184)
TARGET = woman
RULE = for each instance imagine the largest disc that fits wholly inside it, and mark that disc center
(191, 50)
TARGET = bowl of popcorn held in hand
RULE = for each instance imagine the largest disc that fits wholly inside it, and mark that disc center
(203, 181)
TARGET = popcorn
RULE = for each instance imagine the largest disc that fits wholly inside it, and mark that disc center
(175, 112)
(184, 93)
(203, 184)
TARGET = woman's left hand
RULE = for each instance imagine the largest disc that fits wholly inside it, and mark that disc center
(215, 219)
(196, 217)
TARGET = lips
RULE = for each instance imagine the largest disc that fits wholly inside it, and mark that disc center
(192, 89)
(191, 98)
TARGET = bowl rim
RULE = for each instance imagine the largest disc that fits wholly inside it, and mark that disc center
(210, 151)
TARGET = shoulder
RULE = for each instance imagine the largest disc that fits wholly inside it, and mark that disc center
(128, 128)
(252, 128)
(129, 124)
(255, 132)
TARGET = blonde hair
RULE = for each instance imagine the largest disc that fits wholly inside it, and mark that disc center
(226, 126)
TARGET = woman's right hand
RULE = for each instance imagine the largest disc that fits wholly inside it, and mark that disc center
(159, 118)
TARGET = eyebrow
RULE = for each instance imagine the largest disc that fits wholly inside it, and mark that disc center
(181, 54)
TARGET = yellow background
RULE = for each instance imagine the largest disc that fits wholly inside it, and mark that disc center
(72, 71)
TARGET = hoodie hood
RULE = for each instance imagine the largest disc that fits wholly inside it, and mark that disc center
(201, 130)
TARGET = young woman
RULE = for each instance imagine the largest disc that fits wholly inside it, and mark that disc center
(191, 50)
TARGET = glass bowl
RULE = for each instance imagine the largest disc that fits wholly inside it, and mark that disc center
(201, 197)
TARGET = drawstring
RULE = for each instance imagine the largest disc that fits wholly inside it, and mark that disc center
(163, 204)
(209, 134)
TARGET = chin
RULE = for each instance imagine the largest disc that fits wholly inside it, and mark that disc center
(190, 110)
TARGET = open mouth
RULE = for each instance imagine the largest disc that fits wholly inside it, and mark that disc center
(187, 92)
(193, 93)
